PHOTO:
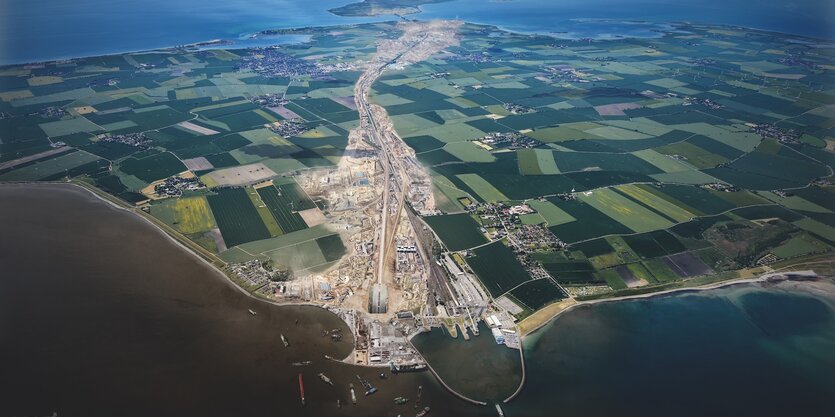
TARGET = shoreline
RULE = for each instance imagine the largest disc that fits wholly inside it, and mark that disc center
(415, 16)
(217, 271)
(675, 291)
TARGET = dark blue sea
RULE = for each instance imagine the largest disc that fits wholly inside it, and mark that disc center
(54, 29)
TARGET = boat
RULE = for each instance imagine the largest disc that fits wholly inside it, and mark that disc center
(422, 412)
(353, 395)
(284, 340)
(499, 410)
(325, 378)
(409, 367)
(420, 391)
(338, 403)
(369, 389)
(302, 363)
(301, 387)
(401, 400)
(251, 311)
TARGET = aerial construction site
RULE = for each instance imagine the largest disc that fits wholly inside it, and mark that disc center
(392, 283)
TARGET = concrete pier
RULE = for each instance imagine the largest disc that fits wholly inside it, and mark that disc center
(522, 382)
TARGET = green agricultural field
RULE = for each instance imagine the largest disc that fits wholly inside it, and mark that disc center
(684, 177)
(663, 162)
(469, 152)
(447, 197)
(817, 228)
(456, 231)
(482, 187)
(624, 211)
(52, 168)
(591, 223)
(237, 218)
(765, 171)
(692, 154)
(594, 247)
(69, 126)
(642, 194)
(538, 293)
(188, 215)
(265, 213)
(304, 251)
(551, 213)
(799, 245)
(249, 250)
(654, 244)
(696, 200)
(281, 207)
(570, 272)
(294, 195)
(587, 161)
(796, 203)
(641, 273)
(612, 279)
(153, 167)
(537, 162)
(497, 268)
(660, 270)
(299, 257)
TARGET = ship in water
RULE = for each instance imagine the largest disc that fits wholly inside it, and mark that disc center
(302, 363)
(369, 389)
(301, 387)
(284, 340)
(409, 367)
(401, 400)
(499, 410)
(420, 391)
(353, 395)
(251, 311)
(325, 378)
(422, 412)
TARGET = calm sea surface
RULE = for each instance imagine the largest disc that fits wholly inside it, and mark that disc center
(53, 29)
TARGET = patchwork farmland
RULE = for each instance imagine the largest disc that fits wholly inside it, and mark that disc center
(559, 168)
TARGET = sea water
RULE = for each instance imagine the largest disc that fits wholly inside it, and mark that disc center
(738, 351)
(55, 29)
